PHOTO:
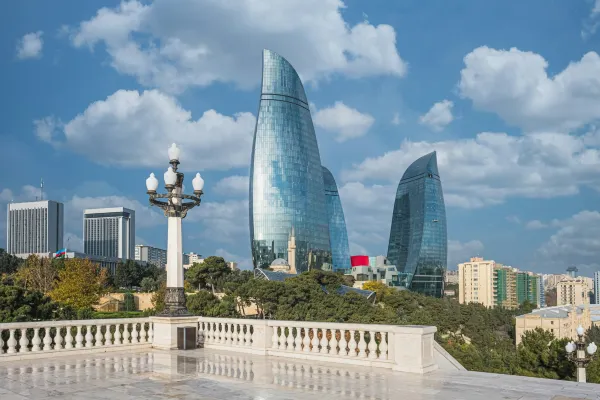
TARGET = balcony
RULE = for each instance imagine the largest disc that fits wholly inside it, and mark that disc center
(253, 359)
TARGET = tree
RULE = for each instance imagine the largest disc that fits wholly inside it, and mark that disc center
(18, 305)
(593, 335)
(128, 274)
(381, 289)
(8, 263)
(208, 273)
(38, 274)
(80, 284)
(201, 303)
(158, 298)
(550, 297)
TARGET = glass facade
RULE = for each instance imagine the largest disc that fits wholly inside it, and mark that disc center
(338, 235)
(286, 179)
(418, 243)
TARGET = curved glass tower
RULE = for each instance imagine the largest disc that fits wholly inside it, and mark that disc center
(286, 179)
(338, 235)
(418, 240)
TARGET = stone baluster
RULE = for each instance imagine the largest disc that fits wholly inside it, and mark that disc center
(362, 344)
(98, 336)
(79, 338)
(12, 342)
(323, 342)
(35, 342)
(306, 341)
(47, 340)
(107, 335)
(68, 338)
(23, 342)
(343, 343)
(315, 341)
(58, 339)
(1, 343)
(136, 328)
(352, 344)
(297, 341)
(275, 339)
(333, 343)
(372, 345)
(118, 334)
(235, 335)
(150, 332)
(228, 334)
(289, 340)
(89, 338)
(247, 335)
(126, 334)
(383, 346)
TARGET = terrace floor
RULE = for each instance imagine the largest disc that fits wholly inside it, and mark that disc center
(210, 374)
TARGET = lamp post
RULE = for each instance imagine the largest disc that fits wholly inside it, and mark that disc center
(576, 353)
(175, 209)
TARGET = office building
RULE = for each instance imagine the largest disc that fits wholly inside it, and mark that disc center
(109, 232)
(151, 255)
(338, 235)
(475, 282)
(373, 269)
(418, 243)
(597, 287)
(574, 292)
(286, 177)
(562, 321)
(34, 227)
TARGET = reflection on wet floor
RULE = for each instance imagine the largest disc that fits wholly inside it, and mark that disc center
(210, 374)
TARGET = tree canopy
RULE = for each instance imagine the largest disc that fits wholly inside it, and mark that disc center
(80, 284)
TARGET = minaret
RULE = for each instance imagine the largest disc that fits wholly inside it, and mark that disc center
(292, 252)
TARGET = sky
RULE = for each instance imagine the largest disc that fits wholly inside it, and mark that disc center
(507, 93)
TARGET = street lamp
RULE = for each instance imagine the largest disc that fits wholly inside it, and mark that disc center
(576, 353)
(175, 209)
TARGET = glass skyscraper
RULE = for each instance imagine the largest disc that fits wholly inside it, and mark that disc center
(418, 240)
(286, 180)
(338, 235)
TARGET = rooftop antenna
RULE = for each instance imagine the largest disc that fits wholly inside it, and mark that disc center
(41, 188)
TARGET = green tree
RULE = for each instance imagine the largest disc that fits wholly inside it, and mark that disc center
(80, 284)
(208, 273)
(158, 298)
(37, 274)
(593, 335)
(128, 274)
(129, 302)
(9, 263)
(201, 303)
(18, 304)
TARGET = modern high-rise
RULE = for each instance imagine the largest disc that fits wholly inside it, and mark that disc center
(151, 255)
(338, 235)
(418, 243)
(528, 287)
(597, 287)
(34, 227)
(286, 179)
(574, 292)
(109, 232)
(476, 282)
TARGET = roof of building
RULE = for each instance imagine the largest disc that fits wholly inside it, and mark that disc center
(563, 311)
(280, 262)
(423, 165)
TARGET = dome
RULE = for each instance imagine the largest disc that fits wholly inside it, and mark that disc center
(280, 262)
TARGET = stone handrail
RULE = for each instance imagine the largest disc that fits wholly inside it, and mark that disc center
(401, 348)
(22, 340)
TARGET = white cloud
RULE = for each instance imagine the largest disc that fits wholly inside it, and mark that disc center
(233, 186)
(132, 129)
(346, 122)
(535, 224)
(515, 85)
(439, 116)
(30, 46)
(590, 25)
(46, 128)
(513, 219)
(577, 241)
(202, 41)
(224, 222)
(73, 242)
(243, 262)
(396, 120)
(492, 167)
(461, 252)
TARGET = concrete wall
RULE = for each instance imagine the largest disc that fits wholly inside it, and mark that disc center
(143, 301)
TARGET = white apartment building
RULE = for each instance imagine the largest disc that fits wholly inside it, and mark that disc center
(573, 292)
(151, 255)
(109, 232)
(475, 282)
(597, 287)
(34, 227)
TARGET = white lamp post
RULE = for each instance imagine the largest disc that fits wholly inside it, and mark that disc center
(576, 353)
(175, 209)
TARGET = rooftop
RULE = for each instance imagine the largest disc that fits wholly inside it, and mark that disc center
(563, 311)
(220, 374)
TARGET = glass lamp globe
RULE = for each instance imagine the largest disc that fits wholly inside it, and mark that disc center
(580, 330)
(170, 177)
(570, 347)
(174, 152)
(151, 183)
(198, 183)
(591, 349)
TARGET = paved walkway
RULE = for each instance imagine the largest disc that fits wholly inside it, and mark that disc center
(208, 374)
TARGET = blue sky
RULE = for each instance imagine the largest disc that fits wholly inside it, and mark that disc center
(508, 93)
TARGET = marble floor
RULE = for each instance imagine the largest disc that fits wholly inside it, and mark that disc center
(209, 374)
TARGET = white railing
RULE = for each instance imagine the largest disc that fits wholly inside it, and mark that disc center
(33, 339)
(402, 348)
